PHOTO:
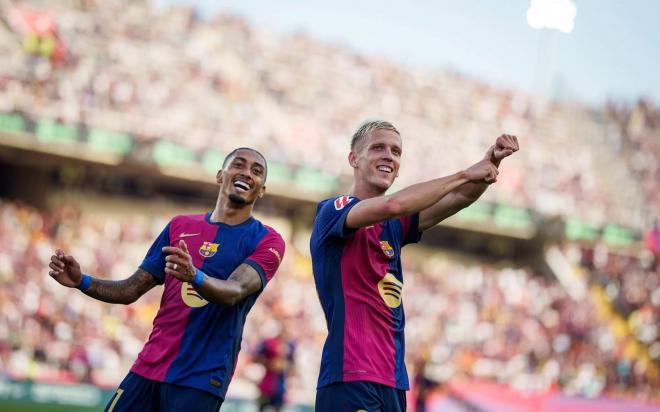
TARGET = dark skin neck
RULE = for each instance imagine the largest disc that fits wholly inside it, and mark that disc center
(229, 212)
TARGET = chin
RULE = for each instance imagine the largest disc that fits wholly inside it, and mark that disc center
(383, 185)
(239, 200)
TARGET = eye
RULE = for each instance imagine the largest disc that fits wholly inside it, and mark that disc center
(258, 171)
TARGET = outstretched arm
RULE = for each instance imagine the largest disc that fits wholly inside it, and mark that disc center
(242, 282)
(417, 197)
(66, 271)
(468, 193)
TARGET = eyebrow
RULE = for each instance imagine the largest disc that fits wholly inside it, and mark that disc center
(243, 159)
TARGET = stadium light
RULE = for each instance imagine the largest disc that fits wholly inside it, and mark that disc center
(552, 14)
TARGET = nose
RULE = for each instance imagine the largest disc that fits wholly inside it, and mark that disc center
(388, 155)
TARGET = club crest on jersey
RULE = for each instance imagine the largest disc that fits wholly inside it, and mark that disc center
(208, 249)
(342, 201)
(387, 249)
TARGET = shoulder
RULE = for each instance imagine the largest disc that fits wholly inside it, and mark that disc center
(267, 234)
(193, 218)
(336, 203)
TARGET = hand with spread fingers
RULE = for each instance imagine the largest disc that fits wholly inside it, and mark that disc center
(179, 262)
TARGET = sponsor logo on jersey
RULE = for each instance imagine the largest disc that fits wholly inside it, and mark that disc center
(342, 201)
(387, 249)
(191, 297)
(390, 289)
(208, 249)
(276, 253)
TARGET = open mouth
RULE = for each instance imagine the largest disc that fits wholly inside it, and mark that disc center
(241, 186)
(385, 169)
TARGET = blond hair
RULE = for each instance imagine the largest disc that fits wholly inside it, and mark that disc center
(368, 127)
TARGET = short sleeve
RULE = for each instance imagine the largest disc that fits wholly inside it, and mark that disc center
(267, 256)
(154, 261)
(331, 217)
(410, 229)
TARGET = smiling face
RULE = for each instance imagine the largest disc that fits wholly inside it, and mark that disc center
(243, 177)
(376, 159)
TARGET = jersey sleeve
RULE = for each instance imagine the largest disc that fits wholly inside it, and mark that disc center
(331, 217)
(267, 256)
(154, 261)
(410, 229)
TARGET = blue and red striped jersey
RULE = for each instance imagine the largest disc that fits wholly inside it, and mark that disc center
(359, 280)
(194, 342)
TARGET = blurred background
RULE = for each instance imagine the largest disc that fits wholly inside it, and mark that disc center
(544, 295)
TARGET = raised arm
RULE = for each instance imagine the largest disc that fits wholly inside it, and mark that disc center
(468, 193)
(417, 197)
(66, 271)
(242, 282)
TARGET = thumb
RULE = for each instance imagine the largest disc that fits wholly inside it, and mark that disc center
(183, 246)
(69, 259)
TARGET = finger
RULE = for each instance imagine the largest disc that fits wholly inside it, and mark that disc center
(57, 261)
(55, 267)
(174, 273)
(69, 259)
(53, 274)
(173, 250)
(183, 245)
(170, 265)
(175, 259)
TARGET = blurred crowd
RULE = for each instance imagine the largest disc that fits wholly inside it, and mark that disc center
(465, 319)
(631, 282)
(222, 82)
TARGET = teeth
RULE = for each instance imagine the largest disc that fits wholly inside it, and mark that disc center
(241, 185)
(386, 169)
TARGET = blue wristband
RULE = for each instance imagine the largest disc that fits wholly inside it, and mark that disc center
(85, 282)
(199, 278)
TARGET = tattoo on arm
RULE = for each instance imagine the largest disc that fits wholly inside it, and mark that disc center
(122, 291)
(247, 278)
(242, 282)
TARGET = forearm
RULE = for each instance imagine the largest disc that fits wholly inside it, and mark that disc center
(121, 291)
(421, 196)
(243, 281)
(222, 292)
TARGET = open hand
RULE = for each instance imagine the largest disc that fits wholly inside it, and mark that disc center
(179, 262)
(65, 269)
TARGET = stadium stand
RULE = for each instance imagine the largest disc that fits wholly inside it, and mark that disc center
(182, 89)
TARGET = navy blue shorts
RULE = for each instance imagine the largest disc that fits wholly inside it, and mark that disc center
(360, 396)
(137, 394)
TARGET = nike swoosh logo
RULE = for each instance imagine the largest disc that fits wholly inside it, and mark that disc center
(189, 234)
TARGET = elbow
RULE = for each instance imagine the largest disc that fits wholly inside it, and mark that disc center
(232, 298)
(394, 207)
(129, 299)
(465, 200)
(228, 302)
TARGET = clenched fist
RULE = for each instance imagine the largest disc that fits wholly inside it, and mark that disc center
(504, 146)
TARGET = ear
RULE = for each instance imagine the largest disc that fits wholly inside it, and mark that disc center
(262, 192)
(218, 177)
(352, 159)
